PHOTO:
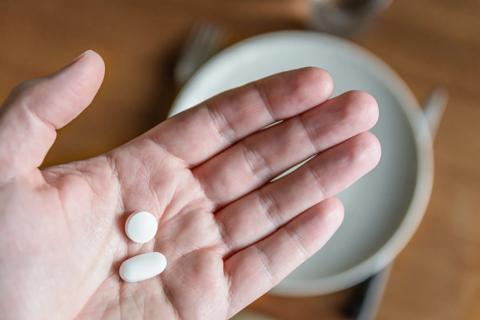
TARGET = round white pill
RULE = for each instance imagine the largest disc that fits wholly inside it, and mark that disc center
(141, 226)
(142, 267)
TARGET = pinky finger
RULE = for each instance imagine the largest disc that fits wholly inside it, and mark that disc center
(258, 268)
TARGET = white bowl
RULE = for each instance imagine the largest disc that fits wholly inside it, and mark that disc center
(384, 208)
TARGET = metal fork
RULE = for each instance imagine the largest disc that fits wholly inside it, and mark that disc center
(203, 42)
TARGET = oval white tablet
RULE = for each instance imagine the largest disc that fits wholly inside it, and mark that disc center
(141, 226)
(142, 267)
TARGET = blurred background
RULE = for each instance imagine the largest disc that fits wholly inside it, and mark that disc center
(429, 43)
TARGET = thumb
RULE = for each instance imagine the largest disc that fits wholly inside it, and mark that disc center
(36, 109)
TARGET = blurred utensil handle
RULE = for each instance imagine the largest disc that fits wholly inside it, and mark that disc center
(433, 108)
(368, 298)
(204, 40)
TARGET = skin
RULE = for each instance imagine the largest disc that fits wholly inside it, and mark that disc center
(229, 234)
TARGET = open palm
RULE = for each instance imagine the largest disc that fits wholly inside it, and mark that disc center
(229, 233)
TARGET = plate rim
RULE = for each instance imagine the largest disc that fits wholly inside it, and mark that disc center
(425, 165)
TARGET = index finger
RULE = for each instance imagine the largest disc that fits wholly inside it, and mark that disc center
(203, 131)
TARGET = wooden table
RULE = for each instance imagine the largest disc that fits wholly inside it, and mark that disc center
(429, 42)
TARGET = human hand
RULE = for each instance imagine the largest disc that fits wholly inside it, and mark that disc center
(229, 234)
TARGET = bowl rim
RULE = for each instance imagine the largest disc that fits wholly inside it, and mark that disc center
(424, 153)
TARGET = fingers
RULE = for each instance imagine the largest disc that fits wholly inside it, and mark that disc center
(199, 133)
(260, 157)
(256, 269)
(256, 215)
(34, 110)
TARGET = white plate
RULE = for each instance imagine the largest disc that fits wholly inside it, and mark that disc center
(384, 208)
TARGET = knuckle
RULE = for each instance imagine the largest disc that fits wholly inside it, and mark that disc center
(24, 88)
(256, 162)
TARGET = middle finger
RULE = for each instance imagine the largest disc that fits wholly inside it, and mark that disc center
(258, 158)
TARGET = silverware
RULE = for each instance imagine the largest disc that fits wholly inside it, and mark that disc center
(203, 42)
(366, 300)
(433, 108)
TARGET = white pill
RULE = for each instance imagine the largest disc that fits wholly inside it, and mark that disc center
(141, 226)
(142, 267)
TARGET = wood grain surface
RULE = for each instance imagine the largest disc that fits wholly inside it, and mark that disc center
(428, 42)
